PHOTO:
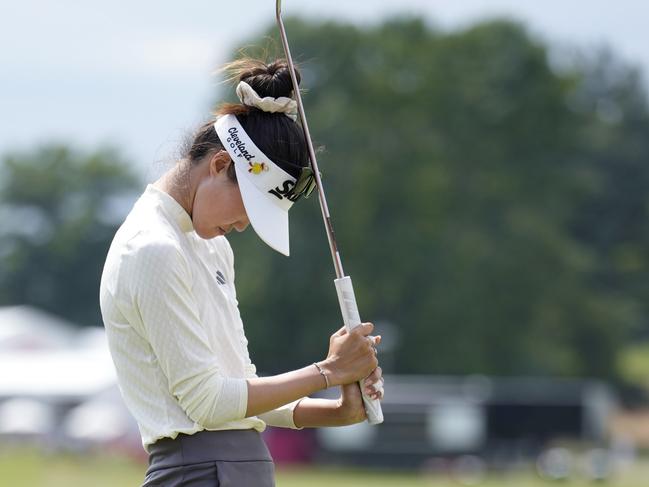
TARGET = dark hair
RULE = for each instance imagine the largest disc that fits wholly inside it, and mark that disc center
(276, 135)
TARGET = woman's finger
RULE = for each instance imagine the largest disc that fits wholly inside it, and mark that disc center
(364, 329)
(375, 392)
(374, 382)
(372, 387)
(375, 340)
(374, 376)
(379, 391)
(341, 332)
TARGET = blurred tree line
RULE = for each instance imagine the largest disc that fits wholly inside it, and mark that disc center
(59, 209)
(490, 204)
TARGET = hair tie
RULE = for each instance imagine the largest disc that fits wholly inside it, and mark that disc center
(283, 104)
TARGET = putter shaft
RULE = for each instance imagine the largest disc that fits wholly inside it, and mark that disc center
(333, 246)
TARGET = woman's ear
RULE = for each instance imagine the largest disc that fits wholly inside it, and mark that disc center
(219, 161)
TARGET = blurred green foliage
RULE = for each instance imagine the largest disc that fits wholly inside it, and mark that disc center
(633, 364)
(60, 209)
(490, 204)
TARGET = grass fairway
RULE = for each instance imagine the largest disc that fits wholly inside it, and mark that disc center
(322, 477)
(28, 468)
(23, 468)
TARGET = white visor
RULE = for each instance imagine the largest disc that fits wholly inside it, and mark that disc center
(262, 183)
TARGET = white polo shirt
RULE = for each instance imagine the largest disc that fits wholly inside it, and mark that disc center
(174, 330)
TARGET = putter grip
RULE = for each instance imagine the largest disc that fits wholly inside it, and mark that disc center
(352, 319)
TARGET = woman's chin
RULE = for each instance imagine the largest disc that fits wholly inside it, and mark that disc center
(208, 233)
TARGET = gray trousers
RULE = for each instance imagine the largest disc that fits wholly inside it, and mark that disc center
(232, 458)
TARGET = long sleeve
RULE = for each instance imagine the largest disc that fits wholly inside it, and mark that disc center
(282, 417)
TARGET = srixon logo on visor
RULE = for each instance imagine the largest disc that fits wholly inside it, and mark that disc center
(281, 192)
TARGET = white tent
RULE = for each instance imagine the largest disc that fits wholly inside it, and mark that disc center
(28, 328)
(45, 362)
(44, 356)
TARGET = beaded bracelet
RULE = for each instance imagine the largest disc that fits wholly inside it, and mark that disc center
(322, 372)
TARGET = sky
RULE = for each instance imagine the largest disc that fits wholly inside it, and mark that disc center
(138, 74)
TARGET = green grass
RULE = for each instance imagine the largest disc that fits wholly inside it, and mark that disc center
(634, 364)
(28, 468)
(350, 478)
(23, 468)
(311, 477)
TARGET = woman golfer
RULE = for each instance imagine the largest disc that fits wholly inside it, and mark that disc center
(170, 310)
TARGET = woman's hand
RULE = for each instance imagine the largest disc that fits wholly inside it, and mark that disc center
(351, 401)
(350, 404)
(352, 356)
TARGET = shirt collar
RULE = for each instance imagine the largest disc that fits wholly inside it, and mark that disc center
(172, 208)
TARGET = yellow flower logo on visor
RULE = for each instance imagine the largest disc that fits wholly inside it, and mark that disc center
(257, 167)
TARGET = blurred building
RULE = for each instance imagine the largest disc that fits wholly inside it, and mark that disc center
(497, 420)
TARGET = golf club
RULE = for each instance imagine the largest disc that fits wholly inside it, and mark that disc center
(343, 283)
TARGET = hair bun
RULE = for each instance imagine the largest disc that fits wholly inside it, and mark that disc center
(272, 79)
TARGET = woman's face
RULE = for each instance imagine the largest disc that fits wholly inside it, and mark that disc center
(218, 207)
